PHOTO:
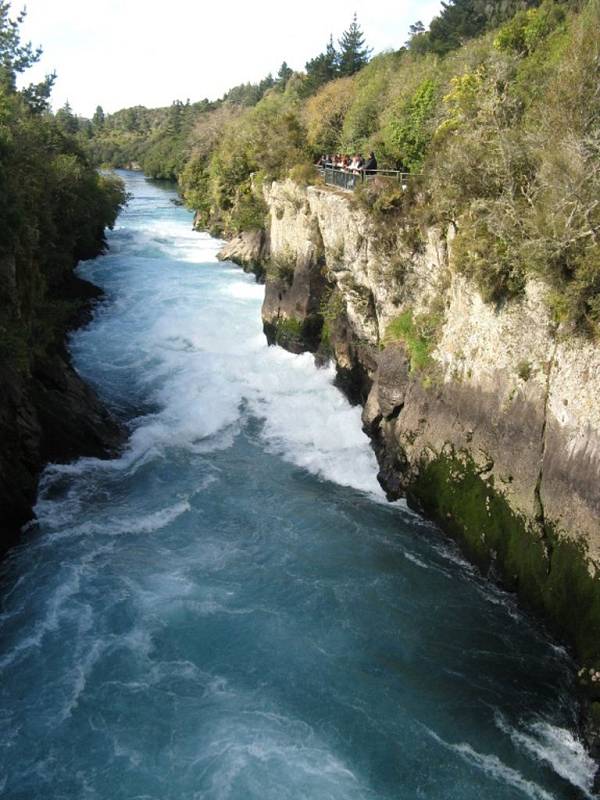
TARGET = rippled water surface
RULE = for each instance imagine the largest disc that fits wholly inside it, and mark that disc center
(230, 609)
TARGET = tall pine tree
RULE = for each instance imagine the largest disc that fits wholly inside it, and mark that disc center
(321, 69)
(67, 119)
(284, 74)
(353, 52)
(99, 118)
(16, 57)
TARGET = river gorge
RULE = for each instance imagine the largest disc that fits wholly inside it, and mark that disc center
(231, 608)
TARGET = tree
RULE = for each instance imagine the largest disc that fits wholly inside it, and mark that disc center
(416, 29)
(353, 52)
(249, 94)
(37, 95)
(174, 121)
(16, 57)
(321, 69)
(284, 74)
(86, 129)
(325, 114)
(264, 86)
(66, 119)
(99, 118)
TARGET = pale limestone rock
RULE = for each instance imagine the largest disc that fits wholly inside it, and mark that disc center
(522, 402)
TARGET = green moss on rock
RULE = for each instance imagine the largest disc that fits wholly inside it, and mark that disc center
(295, 335)
(288, 331)
(550, 572)
(418, 334)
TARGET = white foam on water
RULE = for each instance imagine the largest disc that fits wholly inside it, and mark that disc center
(415, 560)
(61, 604)
(146, 523)
(56, 608)
(496, 769)
(309, 422)
(244, 291)
(556, 747)
(493, 767)
(188, 333)
(78, 676)
(164, 238)
(271, 756)
(149, 523)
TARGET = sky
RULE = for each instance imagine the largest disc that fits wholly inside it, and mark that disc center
(119, 53)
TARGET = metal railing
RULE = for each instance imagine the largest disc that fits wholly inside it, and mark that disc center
(349, 179)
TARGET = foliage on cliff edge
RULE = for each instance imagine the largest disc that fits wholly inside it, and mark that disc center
(54, 206)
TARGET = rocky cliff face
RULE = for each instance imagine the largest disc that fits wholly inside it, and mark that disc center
(249, 250)
(485, 418)
(48, 414)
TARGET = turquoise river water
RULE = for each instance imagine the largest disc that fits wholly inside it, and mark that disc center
(231, 610)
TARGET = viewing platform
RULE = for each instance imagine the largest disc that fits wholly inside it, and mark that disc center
(348, 179)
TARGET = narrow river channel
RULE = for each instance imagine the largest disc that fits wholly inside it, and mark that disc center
(231, 610)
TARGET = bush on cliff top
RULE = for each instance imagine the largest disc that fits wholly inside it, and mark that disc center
(519, 173)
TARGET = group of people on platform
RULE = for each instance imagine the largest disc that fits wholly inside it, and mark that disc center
(353, 164)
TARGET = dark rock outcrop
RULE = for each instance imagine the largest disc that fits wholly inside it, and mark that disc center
(48, 414)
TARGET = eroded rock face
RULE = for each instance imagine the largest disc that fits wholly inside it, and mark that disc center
(504, 386)
(47, 415)
(497, 439)
(249, 250)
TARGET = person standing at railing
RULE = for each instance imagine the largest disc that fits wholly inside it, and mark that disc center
(357, 164)
(354, 170)
(370, 167)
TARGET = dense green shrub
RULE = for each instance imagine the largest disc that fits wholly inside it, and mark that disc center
(361, 124)
(304, 174)
(325, 114)
(527, 29)
(417, 333)
(410, 127)
(380, 197)
(249, 210)
(460, 20)
(518, 172)
(488, 259)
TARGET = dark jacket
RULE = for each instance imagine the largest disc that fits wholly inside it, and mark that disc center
(371, 165)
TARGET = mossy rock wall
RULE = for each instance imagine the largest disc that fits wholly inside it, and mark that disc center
(296, 336)
(550, 572)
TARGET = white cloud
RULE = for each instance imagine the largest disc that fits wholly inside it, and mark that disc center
(119, 54)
